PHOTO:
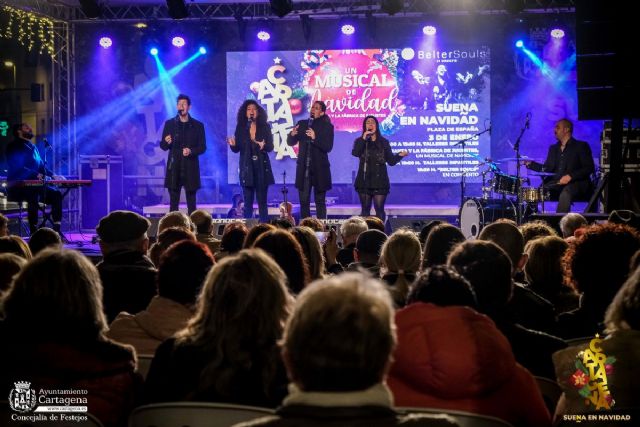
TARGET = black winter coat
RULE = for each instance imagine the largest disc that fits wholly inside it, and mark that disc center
(248, 149)
(375, 155)
(576, 161)
(320, 148)
(193, 139)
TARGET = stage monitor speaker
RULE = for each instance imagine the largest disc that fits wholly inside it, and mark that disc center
(104, 195)
(414, 223)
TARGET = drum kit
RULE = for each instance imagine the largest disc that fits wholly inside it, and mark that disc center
(503, 196)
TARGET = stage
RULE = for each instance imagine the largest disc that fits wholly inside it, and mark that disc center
(333, 211)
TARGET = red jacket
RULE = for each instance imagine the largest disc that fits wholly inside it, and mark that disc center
(455, 358)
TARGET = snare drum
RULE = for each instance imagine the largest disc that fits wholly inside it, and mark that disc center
(476, 213)
(533, 194)
(505, 184)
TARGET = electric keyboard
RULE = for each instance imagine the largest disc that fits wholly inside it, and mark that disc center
(66, 183)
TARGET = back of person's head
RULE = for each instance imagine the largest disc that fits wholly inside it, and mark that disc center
(441, 240)
(624, 312)
(400, 257)
(10, 265)
(182, 270)
(57, 295)
(282, 223)
(488, 268)
(233, 237)
(426, 230)
(311, 249)
(352, 227)
(571, 222)
(255, 232)
(369, 245)
(313, 223)
(509, 238)
(341, 334)
(236, 199)
(534, 229)
(598, 261)
(374, 223)
(44, 238)
(625, 217)
(4, 226)
(175, 219)
(544, 269)
(202, 220)
(239, 319)
(442, 286)
(15, 245)
(123, 230)
(168, 237)
(287, 253)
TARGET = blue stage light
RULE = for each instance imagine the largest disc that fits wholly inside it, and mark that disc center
(105, 42)
(429, 30)
(519, 43)
(263, 35)
(178, 41)
(202, 50)
(348, 29)
(153, 51)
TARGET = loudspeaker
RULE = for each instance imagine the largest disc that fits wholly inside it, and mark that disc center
(414, 223)
(605, 55)
(37, 92)
(105, 192)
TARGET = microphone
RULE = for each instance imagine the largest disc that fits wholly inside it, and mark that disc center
(46, 143)
(526, 123)
(310, 121)
(249, 121)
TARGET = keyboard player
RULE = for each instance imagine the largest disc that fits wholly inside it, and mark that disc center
(25, 163)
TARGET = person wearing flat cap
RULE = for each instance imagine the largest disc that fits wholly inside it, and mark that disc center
(128, 275)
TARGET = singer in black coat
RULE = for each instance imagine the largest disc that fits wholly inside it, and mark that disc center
(315, 139)
(372, 180)
(25, 163)
(185, 132)
(254, 165)
(571, 162)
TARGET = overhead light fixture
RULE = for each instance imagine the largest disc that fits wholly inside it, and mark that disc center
(281, 7)
(347, 25)
(177, 9)
(91, 8)
(105, 42)
(391, 6)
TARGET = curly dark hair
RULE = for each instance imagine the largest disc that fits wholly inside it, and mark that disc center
(241, 117)
(598, 262)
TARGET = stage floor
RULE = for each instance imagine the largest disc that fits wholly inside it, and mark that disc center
(338, 210)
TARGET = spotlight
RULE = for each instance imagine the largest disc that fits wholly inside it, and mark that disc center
(557, 33)
(519, 44)
(140, 25)
(429, 30)
(91, 8)
(281, 7)
(348, 29)
(263, 35)
(177, 41)
(177, 9)
(391, 6)
(202, 50)
(105, 42)
(153, 51)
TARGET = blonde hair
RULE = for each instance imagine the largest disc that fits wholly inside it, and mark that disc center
(341, 334)
(57, 294)
(401, 255)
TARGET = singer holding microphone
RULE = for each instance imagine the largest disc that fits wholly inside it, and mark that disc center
(253, 140)
(183, 136)
(315, 139)
(25, 163)
(571, 162)
(372, 181)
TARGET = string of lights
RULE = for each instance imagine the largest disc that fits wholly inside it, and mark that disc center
(29, 30)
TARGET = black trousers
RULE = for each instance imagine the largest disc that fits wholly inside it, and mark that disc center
(35, 195)
(261, 197)
(567, 194)
(305, 201)
(378, 201)
(174, 199)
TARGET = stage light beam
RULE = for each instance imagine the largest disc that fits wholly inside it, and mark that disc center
(153, 51)
(520, 44)
(202, 50)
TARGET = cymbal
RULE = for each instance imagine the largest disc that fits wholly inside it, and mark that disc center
(541, 173)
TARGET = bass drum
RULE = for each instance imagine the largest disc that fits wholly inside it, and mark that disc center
(476, 213)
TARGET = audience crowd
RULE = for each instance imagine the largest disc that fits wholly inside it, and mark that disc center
(348, 326)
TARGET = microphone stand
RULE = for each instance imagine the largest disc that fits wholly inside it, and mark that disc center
(284, 190)
(44, 181)
(463, 175)
(516, 148)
